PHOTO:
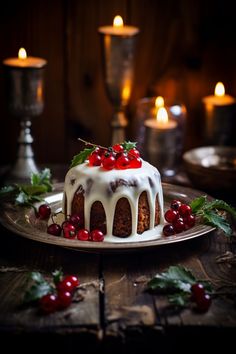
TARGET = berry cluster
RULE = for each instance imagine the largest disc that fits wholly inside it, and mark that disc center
(71, 228)
(61, 297)
(179, 218)
(115, 157)
(200, 297)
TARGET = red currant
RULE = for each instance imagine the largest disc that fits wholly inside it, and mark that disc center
(64, 299)
(171, 215)
(44, 211)
(122, 163)
(54, 229)
(75, 220)
(189, 221)
(203, 303)
(72, 279)
(95, 160)
(168, 230)
(83, 235)
(184, 210)
(198, 291)
(109, 162)
(48, 303)
(135, 163)
(117, 148)
(65, 285)
(175, 204)
(69, 230)
(133, 153)
(178, 225)
(97, 236)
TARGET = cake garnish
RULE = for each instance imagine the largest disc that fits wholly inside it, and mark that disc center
(119, 156)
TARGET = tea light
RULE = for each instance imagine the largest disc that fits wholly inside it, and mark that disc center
(220, 116)
(118, 28)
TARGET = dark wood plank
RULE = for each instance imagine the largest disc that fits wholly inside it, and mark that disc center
(17, 258)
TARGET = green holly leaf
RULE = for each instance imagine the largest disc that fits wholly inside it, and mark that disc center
(175, 278)
(42, 179)
(57, 275)
(212, 218)
(128, 145)
(198, 203)
(81, 157)
(179, 299)
(7, 190)
(39, 288)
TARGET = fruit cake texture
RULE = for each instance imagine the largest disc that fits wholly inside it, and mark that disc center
(118, 202)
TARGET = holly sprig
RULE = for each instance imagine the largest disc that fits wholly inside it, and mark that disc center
(27, 194)
(84, 154)
(214, 213)
(176, 283)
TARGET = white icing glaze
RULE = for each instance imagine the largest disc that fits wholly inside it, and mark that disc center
(101, 185)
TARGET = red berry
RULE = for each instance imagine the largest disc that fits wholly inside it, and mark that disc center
(135, 163)
(75, 220)
(54, 229)
(175, 204)
(44, 211)
(117, 148)
(83, 235)
(184, 210)
(97, 236)
(122, 163)
(109, 162)
(98, 151)
(168, 230)
(198, 291)
(72, 279)
(189, 221)
(48, 303)
(203, 303)
(178, 225)
(65, 285)
(95, 160)
(171, 215)
(64, 299)
(69, 230)
(133, 153)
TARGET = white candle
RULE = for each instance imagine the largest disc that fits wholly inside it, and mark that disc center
(23, 61)
(119, 29)
(219, 98)
(161, 122)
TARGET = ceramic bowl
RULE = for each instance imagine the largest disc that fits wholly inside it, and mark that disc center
(212, 168)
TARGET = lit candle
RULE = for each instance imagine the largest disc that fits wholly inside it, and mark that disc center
(24, 88)
(23, 61)
(118, 49)
(219, 117)
(160, 143)
(118, 28)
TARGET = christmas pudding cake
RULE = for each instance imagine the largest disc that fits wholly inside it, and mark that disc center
(114, 190)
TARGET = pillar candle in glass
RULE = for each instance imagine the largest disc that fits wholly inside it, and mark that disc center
(118, 51)
(24, 89)
(219, 117)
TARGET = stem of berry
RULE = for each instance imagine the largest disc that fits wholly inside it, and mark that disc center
(95, 145)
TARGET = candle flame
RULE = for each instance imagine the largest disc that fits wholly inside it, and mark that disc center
(118, 21)
(22, 53)
(159, 102)
(162, 116)
(219, 89)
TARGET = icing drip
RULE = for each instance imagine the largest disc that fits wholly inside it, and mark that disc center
(108, 187)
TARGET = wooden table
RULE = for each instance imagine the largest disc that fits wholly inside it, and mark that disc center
(117, 314)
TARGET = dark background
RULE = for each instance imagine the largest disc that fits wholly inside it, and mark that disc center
(184, 48)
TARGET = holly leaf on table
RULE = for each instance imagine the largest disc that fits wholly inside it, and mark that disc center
(81, 157)
(176, 283)
(39, 288)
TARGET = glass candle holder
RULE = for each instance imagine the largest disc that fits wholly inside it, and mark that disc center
(161, 143)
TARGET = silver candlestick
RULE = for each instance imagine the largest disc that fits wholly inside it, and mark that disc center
(118, 47)
(24, 88)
